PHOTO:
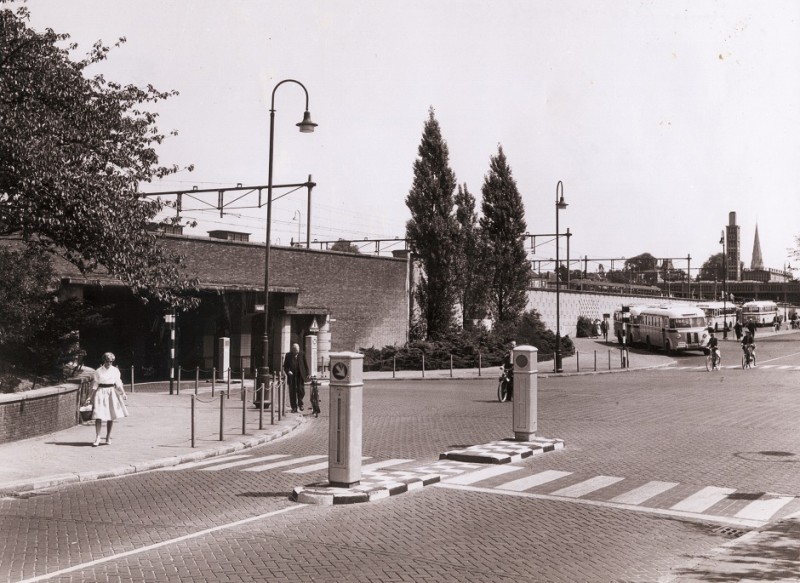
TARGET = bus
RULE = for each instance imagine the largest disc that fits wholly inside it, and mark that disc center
(624, 319)
(718, 314)
(671, 327)
(760, 312)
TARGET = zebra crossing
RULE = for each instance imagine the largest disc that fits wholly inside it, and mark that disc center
(711, 503)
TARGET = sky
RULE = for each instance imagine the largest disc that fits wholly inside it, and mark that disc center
(658, 117)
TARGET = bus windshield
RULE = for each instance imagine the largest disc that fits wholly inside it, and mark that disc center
(696, 322)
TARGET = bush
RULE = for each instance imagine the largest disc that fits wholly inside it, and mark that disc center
(585, 327)
(468, 347)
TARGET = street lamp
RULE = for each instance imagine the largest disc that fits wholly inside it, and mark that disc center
(306, 126)
(724, 288)
(560, 205)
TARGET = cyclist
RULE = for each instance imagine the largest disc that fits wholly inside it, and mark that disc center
(748, 346)
(713, 347)
(508, 366)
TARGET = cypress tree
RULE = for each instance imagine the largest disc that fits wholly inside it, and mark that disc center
(470, 281)
(503, 225)
(431, 229)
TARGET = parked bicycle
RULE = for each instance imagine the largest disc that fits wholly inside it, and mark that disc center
(315, 396)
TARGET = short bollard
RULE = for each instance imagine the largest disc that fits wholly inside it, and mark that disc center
(526, 387)
(346, 418)
(221, 417)
(192, 420)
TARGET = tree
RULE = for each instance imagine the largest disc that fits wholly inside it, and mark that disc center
(503, 225)
(431, 229)
(73, 151)
(469, 255)
(712, 269)
(642, 269)
(345, 246)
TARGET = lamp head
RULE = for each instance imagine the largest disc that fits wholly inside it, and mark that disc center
(306, 126)
(561, 204)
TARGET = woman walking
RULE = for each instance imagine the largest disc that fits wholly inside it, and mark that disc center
(107, 398)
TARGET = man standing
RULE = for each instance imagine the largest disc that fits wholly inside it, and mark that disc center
(294, 365)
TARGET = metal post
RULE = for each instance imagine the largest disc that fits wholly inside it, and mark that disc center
(229, 382)
(479, 364)
(451, 366)
(221, 416)
(178, 386)
(578, 360)
(244, 410)
(196, 379)
(171, 320)
(213, 380)
(192, 420)
(560, 204)
(261, 406)
(595, 361)
(394, 365)
(423, 365)
(133, 386)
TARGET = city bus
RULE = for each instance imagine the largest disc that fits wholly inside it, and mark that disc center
(624, 320)
(671, 327)
(718, 314)
(760, 312)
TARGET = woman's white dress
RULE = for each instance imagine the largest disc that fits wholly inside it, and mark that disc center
(107, 402)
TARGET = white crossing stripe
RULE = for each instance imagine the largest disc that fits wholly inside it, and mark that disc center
(384, 464)
(281, 464)
(644, 493)
(763, 509)
(243, 462)
(206, 462)
(527, 482)
(312, 468)
(490, 472)
(704, 499)
(586, 487)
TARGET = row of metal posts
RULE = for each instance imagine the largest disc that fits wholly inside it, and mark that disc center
(270, 391)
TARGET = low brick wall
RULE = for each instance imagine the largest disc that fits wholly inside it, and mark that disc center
(40, 411)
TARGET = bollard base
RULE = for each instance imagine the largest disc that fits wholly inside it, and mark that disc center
(344, 484)
(524, 436)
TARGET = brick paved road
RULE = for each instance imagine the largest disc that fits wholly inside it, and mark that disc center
(733, 430)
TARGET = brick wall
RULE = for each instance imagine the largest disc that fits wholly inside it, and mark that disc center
(31, 413)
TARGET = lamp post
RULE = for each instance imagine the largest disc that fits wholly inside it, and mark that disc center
(306, 126)
(724, 288)
(560, 205)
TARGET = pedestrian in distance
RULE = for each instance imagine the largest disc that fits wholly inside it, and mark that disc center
(108, 398)
(604, 330)
(294, 365)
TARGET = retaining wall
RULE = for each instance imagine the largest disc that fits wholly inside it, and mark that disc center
(40, 411)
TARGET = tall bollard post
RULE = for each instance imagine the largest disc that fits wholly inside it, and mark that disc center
(244, 410)
(526, 392)
(346, 419)
(221, 417)
(192, 420)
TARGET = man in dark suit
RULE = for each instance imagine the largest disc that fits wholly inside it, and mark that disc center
(294, 365)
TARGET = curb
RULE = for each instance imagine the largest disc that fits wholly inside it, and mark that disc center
(323, 494)
(32, 485)
(503, 452)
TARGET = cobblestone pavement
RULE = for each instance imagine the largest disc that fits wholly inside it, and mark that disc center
(733, 430)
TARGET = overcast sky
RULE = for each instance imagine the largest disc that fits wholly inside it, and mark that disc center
(660, 117)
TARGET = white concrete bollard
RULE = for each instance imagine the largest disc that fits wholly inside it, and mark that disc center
(346, 418)
(526, 387)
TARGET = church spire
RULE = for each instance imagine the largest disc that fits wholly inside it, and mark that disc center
(757, 262)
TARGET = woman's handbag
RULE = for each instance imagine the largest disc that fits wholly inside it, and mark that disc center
(86, 411)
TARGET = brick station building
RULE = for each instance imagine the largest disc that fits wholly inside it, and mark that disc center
(357, 301)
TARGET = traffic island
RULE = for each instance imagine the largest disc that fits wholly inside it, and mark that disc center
(503, 452)
(372, 487)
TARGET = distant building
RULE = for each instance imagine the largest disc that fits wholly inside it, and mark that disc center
(733, 251)
(757, 263)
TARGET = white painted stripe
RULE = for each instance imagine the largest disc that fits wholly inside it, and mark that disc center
(490, 472)
(532, 481)
(312, 468)
(148, 548)
(703, 499)
(644, 493)
(767, 366)
(763, 509)
(281, 464)
(207, 462)
(383, 464)
(245, 462)
(586, 487)
(785, 367)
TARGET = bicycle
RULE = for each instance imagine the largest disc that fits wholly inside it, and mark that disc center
(315, 396)
(749, 357)
(713, 360)
(505, 386)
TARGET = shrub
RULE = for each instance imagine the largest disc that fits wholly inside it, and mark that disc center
(584, 327)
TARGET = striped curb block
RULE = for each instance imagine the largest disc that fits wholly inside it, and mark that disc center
(503, 452)
(323, 494)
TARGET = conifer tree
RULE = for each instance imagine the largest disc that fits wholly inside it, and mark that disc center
(431, 229)
(470, 280)
(503, 225)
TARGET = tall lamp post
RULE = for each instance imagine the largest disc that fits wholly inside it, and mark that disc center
(560, 205)
(724, 288)
(306, 126)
